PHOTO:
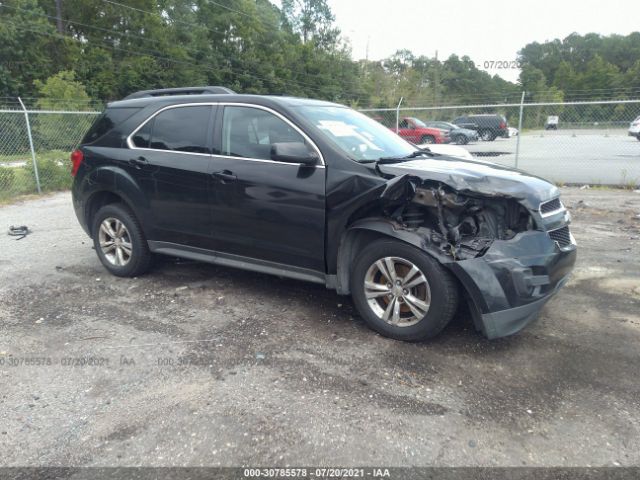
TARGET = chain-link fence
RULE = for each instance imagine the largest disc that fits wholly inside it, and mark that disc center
(572, 142)
(35, 147)
(569, 142)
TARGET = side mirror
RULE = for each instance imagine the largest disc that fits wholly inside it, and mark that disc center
(293, 152)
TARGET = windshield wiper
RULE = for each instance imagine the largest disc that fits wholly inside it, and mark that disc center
(414, 154)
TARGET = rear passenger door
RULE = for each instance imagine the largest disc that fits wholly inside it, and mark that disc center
(261, 208)
(171, 160)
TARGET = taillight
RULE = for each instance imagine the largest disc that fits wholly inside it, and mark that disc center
(76, 160)
(503, 125)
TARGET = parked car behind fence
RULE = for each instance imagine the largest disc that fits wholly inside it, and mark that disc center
(634, 128)
(488, 125)
(415, 131)
(459, 135)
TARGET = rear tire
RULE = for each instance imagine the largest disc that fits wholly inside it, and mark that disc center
(120, 242)
(428, 139)
(373, 298)
(487, 135)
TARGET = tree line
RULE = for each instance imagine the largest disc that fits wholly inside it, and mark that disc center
(78, 51)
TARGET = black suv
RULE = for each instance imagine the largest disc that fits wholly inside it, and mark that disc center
(489, 126)
(316, 191)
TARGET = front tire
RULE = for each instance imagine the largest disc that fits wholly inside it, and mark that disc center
(401, 292)
(428, 139)
(120, 242)
(461, 140)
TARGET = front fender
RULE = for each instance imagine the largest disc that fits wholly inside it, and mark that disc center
(360, 232)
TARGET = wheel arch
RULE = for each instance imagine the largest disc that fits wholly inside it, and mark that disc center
(112, 185)
(365, 231)
(99, 199)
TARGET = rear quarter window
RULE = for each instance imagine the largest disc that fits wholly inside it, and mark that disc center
(111, 118)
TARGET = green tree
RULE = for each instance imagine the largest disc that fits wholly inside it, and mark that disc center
(61, 91)
(28, 48)
(54, 131)
(313, 20)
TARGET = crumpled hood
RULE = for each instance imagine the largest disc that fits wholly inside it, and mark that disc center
(478, 177)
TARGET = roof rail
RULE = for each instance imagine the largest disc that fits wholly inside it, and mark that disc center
(179, 91)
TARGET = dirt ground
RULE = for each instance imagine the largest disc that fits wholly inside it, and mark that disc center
(194, 364)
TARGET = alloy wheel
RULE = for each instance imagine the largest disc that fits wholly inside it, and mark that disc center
(115, 242)
(397, 291)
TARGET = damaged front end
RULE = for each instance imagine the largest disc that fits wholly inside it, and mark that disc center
(505, 254)
(461, 226)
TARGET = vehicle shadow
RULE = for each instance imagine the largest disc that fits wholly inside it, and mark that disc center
(313, 302)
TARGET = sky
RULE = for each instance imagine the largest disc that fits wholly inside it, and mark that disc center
(485, 31)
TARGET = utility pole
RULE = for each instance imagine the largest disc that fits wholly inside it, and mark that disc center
(519, 128)
(59, 16)
(367, 51)
(435, 80)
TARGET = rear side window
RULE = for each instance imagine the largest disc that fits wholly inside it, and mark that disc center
(181, 129)
(142, 138)
(107, 121)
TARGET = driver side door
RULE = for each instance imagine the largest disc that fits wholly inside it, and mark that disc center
(264, 209)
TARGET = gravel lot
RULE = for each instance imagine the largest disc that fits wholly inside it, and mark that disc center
(194, 364)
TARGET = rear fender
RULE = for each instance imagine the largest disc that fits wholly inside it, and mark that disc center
(117, 181)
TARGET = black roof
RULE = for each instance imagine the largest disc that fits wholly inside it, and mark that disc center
(162, 92)
(265, 100)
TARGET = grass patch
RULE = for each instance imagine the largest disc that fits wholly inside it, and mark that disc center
(54, 171)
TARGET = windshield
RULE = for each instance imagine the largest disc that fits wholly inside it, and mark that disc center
(359, 136)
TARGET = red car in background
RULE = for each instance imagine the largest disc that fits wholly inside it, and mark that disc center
(415, 131)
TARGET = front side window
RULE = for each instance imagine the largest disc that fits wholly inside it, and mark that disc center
(418, 123)
(359, 136)
(180, 129)
(249, 132)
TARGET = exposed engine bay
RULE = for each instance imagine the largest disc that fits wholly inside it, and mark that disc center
(460, 225)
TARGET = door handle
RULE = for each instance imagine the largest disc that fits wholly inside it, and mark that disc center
(225, 176)
(138, 162)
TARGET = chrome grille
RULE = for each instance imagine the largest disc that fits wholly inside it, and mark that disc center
(550, 206)
(561, 236)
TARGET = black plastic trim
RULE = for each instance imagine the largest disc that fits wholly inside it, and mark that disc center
(236, 261)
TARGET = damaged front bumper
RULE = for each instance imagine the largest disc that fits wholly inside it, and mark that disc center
(508, 286)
